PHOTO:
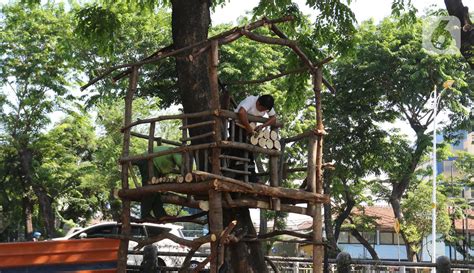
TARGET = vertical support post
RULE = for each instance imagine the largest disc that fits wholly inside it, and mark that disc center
(215, 197)
(184, 135)
(232, 130)
(151, 138)
(274, 180)
(123, 249)
(317, 187)
(246, 166)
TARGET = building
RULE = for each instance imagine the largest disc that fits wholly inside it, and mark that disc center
(388, 244)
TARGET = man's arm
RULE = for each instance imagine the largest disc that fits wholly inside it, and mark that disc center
(271, 121)
(243, 117)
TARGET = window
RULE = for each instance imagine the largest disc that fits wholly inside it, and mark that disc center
(137, 231)
(343, 237)
(98, 232)
(155, 231)
(401, 241)
(386, 238)
(369, 236)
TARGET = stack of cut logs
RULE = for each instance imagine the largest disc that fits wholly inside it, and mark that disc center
(265, 138)
(189, 177)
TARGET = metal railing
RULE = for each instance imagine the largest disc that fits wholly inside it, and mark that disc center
(305, 265)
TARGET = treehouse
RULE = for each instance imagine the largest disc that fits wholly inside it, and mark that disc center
(212, 178)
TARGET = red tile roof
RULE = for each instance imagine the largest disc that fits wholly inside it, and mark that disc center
(386, 219)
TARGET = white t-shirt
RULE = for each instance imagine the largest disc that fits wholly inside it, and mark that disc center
(250, 105)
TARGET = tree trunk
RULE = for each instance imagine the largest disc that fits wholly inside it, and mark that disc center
(190, 24)
(350, 203)
(364, 242)
(28, 217)
(399, 187)
(332, 249)
(244, 256)
(26, 158)
(457, 9)
(46, 209)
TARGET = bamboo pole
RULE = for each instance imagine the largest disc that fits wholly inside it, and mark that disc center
(126, 228)
(215, 198)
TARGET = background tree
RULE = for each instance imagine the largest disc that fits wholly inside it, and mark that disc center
(36, 65)
(390, 68)
(453, 185)
(416, 208)
(66, 170)
(456, 8)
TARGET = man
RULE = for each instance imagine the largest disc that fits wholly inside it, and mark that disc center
(256, 106)
(152, 206)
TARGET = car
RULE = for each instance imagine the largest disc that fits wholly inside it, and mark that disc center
(140, 231)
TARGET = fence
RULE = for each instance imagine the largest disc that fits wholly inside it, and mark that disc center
(343, 264)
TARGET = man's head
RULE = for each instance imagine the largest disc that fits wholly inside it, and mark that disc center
(265, 103)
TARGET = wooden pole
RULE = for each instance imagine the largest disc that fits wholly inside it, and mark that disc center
(184, 135)
(137, 194)
(123, 248)
(215, 197)
(317, 187)
(151, 139)
(274, 180)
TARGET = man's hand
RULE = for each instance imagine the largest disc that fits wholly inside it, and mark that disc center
(259, 127)
(249, 130)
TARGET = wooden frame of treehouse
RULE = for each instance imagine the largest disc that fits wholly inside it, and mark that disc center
(209, 187)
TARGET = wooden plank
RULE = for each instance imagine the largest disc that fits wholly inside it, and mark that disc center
(61, 252)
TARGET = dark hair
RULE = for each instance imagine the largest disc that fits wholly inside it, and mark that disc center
(266, 101)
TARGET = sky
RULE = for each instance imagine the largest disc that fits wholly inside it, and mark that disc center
(363, 9)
